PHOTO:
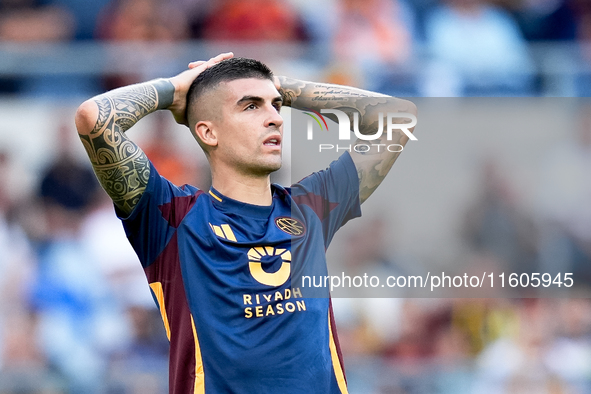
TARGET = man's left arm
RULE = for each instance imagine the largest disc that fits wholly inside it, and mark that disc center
(372, 166)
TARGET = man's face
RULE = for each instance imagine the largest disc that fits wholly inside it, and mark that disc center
(250, 129)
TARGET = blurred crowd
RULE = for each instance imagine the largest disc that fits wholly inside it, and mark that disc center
(436, 48)
(76, 315)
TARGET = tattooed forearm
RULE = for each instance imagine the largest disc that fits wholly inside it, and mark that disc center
(373, 165)
(121, 166)
(316, 96)
(301, 94)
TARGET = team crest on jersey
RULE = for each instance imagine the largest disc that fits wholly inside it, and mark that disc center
(290, 226)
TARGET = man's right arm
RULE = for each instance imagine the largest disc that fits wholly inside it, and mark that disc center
(121, 167)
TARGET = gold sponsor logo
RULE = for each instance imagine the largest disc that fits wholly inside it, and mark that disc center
(277, 303)
(269, 278)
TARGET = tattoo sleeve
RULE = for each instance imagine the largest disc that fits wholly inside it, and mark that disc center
(121, 167)
(372, 166)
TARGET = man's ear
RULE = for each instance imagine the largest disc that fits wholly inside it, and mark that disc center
(206, 133)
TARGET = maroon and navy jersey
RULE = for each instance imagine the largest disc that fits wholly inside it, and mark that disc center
(226, 276)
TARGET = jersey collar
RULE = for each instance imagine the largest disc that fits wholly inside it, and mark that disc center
(228, 204)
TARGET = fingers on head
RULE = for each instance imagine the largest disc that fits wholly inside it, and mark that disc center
(212, 61)
(196, 64)
(223, 56)
(220, 57)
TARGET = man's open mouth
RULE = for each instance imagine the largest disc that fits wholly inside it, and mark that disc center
(272, 141)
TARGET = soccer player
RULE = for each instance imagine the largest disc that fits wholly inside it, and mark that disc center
(220, 263)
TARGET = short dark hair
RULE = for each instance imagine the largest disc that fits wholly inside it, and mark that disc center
(225, 71)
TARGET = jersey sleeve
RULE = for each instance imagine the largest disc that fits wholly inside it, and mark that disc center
(332, 194)
(153, 221)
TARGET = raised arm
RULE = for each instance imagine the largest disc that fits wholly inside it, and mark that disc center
(374, 165)
(120, 165)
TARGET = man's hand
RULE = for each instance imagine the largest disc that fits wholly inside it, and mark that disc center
(183, 81)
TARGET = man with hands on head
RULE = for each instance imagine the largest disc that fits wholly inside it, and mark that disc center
(222, 263)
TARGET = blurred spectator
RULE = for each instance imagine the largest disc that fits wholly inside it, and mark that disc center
(136, 24)
(142, 366)
(25, 369)
(15, 250)
(496, 225)
(428, 351)
(31, 20)
(421, 9)
(569, 354)
(142, 20)
(482, 321)
(118, 264)
(374, 36)
(255, 20)
(375, 31)
(419, 328)
(582, 10)
(477, 49)
(22, 365)
(546, 20)
(67, 184)
(16, 256)
(583, 29)
(195, 12)
(162, 149)
(564, 204)
(527, 361)
(80, 322)
(318, 19)
(84, 13)
(369, 326)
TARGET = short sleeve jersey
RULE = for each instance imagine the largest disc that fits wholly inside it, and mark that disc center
(223, 274)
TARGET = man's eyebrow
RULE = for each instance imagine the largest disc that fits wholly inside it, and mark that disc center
(257, 99)
(245, 99)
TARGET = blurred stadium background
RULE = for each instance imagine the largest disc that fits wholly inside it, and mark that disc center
(76, 315)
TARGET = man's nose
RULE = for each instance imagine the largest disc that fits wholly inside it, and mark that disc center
(274, 118)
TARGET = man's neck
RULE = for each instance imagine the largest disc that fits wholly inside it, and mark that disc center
(250, 190)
